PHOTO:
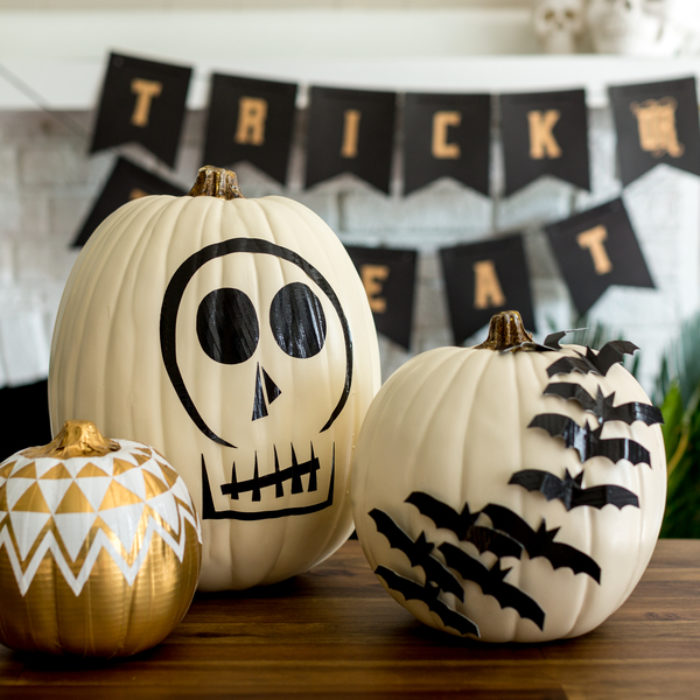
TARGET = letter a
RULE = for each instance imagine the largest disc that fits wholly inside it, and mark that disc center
(487, 288)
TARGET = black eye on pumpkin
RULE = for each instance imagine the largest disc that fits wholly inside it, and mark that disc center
(227, 326)
(297, 321)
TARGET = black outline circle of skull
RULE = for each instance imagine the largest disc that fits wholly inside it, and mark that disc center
(171, 304)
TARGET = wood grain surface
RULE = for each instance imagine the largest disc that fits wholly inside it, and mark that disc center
(334, 632)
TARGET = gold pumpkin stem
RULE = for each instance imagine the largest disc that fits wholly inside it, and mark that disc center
(506, 330)
(78, 438)
(216, 182)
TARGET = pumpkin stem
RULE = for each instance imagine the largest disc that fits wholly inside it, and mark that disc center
(78, 438)
(216, 182)
(506, 330)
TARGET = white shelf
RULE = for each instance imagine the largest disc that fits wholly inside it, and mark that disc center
(74, 85)
(62, 55)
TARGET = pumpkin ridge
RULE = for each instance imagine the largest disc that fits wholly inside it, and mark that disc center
(140, 266)
(104, 245)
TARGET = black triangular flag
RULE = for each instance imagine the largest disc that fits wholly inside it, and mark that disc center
(545, 134)
(142, 102)
(350, 131)
(127, 181)
(596, 249)
(250, 120)
(484, 278)
(389, 278)
(656, 123)
(446, 135)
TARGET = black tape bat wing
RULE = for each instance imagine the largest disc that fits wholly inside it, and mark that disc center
(539, 543)
(601, 406)
(633, 411)
(491, 583)
(570, 492)
(575, 392)
(442, 514)
(587, 442)
(610, 354)
(411, 590)
(462, 524)
(487, 539)
(552, 340)
(418, 553)
(571, 363)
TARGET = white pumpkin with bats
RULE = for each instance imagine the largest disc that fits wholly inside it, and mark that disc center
(511, 491)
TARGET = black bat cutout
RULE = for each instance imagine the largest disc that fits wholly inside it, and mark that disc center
(552, 340)
(462, 524)
(411, 590)
(491, 583)
(540, 542)
(587, 442)
(601, 406)
(418, 553)
(570, 492)
(599, 363)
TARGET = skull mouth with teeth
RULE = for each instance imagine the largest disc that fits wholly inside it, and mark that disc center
(251, 381)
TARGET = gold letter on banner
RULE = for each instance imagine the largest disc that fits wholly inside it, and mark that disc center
(145, 91)
(542, 143)
(656, 120)
(351, 130)
(252, 113)
(593, 240)
(372, 278)
(487, 288)
(441, 122)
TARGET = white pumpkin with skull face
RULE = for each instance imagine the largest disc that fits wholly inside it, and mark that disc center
(235, 336)
(558, 24)
(474, 512)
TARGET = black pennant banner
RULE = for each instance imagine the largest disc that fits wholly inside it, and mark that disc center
(142, 102)
(484, 278)
(350, 131)
(126, 181)
(250, 120)
(389, 277)
(545, 134)
(596, 249)
(446, 135)
(656, 123)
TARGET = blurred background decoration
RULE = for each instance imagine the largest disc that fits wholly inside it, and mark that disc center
(52, 63)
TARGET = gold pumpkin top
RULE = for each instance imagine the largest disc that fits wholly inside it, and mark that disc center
(77, 438)
(506, 330)
(216, 182)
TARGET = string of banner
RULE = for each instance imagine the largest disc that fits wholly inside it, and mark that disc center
(352, 131)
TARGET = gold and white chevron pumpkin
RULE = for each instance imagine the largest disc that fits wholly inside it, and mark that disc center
(100, 546)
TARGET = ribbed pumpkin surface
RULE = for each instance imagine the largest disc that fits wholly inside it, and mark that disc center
(453, 423)
(189, 376)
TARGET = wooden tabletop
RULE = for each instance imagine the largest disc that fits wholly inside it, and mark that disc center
(335, 632)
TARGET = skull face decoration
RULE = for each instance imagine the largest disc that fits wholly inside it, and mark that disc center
(558, 24)
(264, 348)
(632, 27)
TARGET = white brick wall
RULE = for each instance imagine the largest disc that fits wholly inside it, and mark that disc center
(47, 184)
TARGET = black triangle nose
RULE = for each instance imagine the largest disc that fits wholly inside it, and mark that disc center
(264, 385)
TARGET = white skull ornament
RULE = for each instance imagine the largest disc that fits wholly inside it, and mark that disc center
(630, 27)
(558, 23)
